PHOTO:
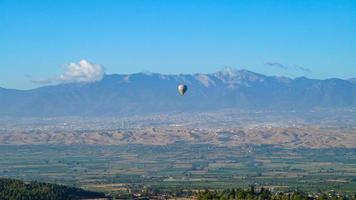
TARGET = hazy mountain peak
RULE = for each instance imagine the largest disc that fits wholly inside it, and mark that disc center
(283, 79)
(242, 73)
(205, 79)
(234, 77)
(352, 80)
(228, 71)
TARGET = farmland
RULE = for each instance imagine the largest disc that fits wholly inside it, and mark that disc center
(114, 169)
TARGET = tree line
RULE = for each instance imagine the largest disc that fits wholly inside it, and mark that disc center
(11, 189)
(265, 194)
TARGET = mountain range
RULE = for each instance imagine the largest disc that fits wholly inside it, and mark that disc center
(143, 93)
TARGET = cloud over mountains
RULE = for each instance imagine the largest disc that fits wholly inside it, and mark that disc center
(83, 71)
(288, 67)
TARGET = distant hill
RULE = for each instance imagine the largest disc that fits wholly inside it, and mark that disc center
(16, 189)
(147, 93)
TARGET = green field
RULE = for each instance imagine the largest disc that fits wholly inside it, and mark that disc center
(113, 168)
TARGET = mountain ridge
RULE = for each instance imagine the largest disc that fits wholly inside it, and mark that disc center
(139, 93)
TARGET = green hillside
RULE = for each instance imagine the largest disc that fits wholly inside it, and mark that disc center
(15, 189)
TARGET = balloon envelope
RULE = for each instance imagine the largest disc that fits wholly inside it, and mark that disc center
(182, 89)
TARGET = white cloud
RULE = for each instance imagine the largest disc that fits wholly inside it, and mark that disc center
(288, 67)
(83, 71)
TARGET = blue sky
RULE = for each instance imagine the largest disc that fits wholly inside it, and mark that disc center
(276, 37)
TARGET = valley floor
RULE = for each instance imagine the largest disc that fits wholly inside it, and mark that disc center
(117, 169)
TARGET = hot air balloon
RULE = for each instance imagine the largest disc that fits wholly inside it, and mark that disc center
(182, 89)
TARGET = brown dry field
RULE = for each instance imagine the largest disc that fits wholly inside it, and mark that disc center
(292, 137)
